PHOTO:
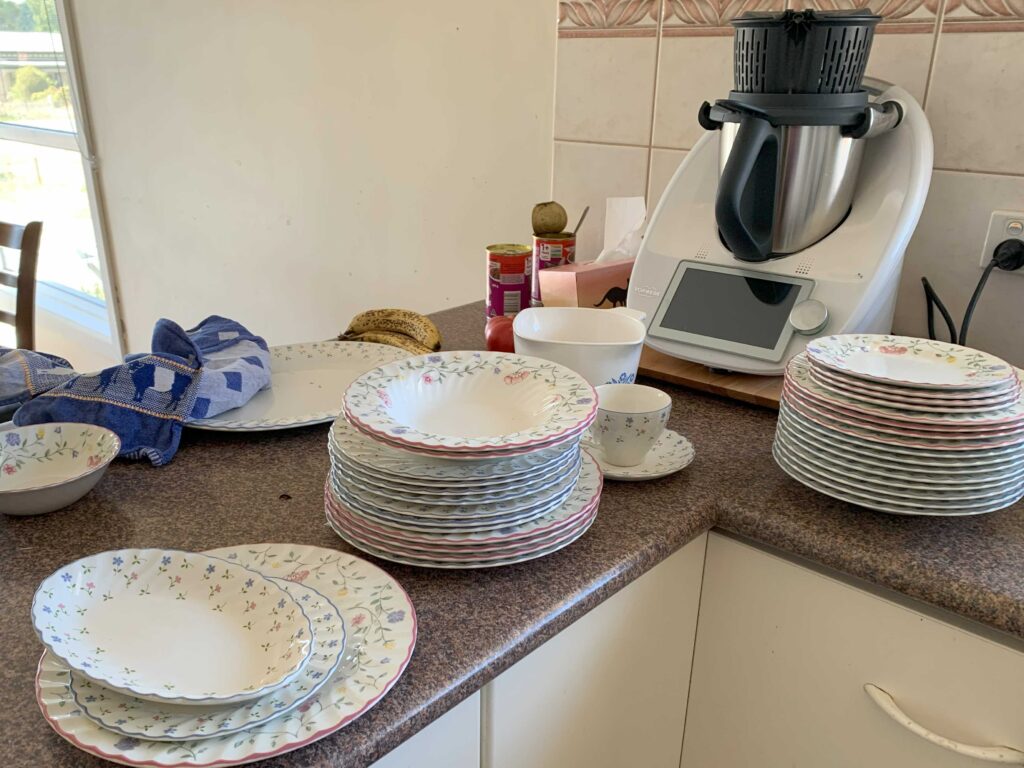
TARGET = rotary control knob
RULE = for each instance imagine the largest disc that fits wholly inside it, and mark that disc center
(809, 317)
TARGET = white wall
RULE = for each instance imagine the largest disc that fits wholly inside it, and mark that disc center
(292, 162)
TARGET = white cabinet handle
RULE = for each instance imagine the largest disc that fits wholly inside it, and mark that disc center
(885, 702)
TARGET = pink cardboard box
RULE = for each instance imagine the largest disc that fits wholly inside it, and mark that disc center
(586, 285)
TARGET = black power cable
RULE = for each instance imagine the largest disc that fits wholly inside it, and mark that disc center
(932, 300)
(1008, 256)
(969, 314)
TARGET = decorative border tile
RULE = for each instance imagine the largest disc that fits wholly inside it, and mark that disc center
(899, 16)
(983, 16)
(608, 18)
(687, 18)
(684, 18)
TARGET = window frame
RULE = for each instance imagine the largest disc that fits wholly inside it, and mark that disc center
(74, 311)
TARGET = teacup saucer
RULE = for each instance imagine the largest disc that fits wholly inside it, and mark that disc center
(670, 454)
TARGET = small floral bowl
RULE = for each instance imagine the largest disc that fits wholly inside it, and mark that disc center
(45, 467)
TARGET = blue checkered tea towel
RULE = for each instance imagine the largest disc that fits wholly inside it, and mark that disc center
(235, 362)
(189, 374)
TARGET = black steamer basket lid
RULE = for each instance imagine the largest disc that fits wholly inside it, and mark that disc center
(805, 52)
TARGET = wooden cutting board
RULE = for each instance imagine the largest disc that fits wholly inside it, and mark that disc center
(759, 390)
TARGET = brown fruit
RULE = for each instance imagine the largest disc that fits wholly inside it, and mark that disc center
(549, 218)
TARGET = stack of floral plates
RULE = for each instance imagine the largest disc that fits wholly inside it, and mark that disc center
(903, 425)
(162, 657)
(463, 460)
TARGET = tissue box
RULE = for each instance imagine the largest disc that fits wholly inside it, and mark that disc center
(591, 284)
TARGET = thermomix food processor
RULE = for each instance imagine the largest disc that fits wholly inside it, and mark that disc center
(790, 216)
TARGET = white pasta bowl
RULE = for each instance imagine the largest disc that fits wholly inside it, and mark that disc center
(45, 467)
(173, 627)
(470, 401)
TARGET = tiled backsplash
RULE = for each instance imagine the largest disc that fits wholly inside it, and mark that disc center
(632, 74)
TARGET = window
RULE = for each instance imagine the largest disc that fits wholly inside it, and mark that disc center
(45, 168)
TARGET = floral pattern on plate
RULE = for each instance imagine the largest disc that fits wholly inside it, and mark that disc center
(306, 382)
(429, 563)
(798, 374)
(428, 401)
(886, 457)
(1008, 389)
(446, 525)
(911, 362)
(585, 492)
(561, 483)
(450, 496)
(868, 462)
(898, 452)
(130, 618)
(168, 722)
(488, 454)
(447, 488)
(381, 626)
(393, 461)
(894, 428)
(895, 505)
(477, 516)
(912, 490)
(953, 401)
(671, 453)
(554, 523)
(360, 537)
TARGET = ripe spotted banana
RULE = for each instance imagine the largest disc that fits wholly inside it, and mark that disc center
(392, 339)
(404, 321)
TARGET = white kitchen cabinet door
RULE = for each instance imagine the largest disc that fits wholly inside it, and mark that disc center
(609, 691)
(783, 653)
(451, 741)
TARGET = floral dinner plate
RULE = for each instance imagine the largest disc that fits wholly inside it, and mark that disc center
(894, 506)
(798, 374)
(170, 722)
(132, 619)
(471, 401)
(910, 362)
(429, 470)
(381, 629)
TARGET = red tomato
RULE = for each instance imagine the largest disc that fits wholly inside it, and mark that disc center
(499, 334)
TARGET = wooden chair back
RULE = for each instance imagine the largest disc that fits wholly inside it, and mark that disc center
(26, 240)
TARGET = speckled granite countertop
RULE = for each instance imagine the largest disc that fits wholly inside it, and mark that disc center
(224, 489)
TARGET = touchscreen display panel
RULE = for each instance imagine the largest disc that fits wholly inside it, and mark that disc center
(731, 307)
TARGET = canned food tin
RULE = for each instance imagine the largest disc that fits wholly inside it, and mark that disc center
(550, 251)
(508, 278)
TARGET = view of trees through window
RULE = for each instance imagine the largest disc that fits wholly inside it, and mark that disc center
(41, 173)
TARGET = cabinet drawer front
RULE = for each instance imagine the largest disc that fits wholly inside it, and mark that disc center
(610, 690)
(782, 657)
(451, 741)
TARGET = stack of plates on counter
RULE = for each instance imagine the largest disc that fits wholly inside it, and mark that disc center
(903, 425)
(463, 460)
(162, 657)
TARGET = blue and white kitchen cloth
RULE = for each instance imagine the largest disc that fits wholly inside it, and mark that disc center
(25, 374)
(194, 374)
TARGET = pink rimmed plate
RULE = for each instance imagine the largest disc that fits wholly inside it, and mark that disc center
(472, 402)
(382, 626)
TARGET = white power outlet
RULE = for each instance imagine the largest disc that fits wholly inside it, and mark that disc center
(1004, 225)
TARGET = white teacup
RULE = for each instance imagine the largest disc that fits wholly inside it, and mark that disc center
(630, 419)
